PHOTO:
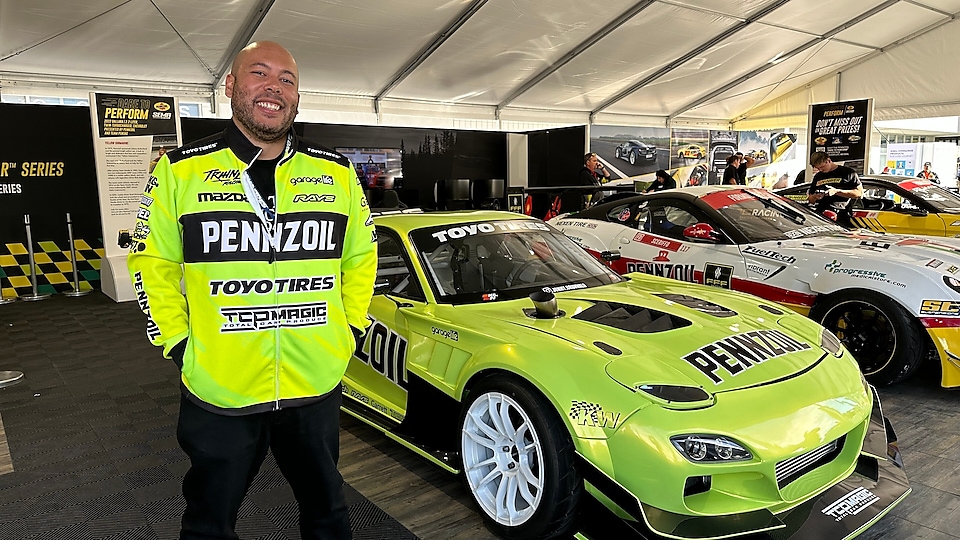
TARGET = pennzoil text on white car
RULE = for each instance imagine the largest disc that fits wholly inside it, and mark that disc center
(503, 352)
(891, 300)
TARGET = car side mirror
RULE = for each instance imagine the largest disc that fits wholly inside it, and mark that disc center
(701, 232)
(610, 256)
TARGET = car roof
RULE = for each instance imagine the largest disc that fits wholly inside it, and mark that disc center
(408, 220)
(687, 193)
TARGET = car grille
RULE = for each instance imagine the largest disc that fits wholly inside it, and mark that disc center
(789, 470)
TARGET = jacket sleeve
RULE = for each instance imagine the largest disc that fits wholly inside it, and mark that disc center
(155, 260)
(358, 267)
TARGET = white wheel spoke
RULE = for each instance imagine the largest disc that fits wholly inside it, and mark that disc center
(501, 498)
(529, 475)
(496, 417)
(487, 430)
(525, 485)
(505, 422)
(490, 477)
(511, 491)
(480, 439)
(483, 464)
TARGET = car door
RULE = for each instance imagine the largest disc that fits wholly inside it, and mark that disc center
(658, 246)
(377, 374)
(890, 208)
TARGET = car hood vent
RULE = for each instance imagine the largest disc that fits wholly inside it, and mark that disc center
(631, 318)
(699, 304)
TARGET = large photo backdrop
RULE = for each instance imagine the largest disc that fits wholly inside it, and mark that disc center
(46, 171)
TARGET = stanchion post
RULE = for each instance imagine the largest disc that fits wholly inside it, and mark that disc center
(73, 261)
(34, 295)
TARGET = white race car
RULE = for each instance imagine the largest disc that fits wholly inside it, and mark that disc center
(892, 300)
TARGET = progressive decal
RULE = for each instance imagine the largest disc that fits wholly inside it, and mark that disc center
(733, 355)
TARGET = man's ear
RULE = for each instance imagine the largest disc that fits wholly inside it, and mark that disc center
(228, 85)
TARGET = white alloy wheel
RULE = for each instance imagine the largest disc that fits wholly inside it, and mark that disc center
(503, 459)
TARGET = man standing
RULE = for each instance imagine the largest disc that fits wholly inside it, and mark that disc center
(274, 243)
(745, 162)
(731, 175)
(833, 187)
(927, 174)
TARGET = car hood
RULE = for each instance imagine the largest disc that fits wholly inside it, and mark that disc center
(653, 331)
(889, 248)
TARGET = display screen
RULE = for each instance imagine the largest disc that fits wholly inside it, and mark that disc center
(376, 167)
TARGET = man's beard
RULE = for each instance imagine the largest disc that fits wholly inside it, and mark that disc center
(244, 111)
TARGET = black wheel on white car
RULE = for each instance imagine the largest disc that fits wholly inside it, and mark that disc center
(518, 460)
(886, 341)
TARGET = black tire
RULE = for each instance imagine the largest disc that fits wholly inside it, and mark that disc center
(886, 340)
(633, 157)
(549, 454)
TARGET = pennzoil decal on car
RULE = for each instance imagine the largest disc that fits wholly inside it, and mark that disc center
(943, 308)
(740, 352)
(585, 413)
(717, 275)
(683, 272)
(850, 504)
(385, 351)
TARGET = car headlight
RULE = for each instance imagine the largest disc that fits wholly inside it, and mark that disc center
(830, 343)
(710, 448)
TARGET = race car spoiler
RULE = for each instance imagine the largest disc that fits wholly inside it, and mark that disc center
(845, 510)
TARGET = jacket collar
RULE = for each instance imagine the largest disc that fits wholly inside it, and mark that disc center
(247, 151)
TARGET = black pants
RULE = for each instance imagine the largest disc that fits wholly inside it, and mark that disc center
(226, 453)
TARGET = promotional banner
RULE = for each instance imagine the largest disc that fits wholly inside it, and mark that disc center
(723, 144)
(901, 159)
(841, 129)
(131, 133)
(688, 156)
(47, 172)
(629, 151)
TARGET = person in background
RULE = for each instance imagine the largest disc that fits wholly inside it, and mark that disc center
(731, 175)
(745, 162)
(593, 172)
(927, 174)
(833, 187)
(160, 153)
(663, 180)
(260, 366)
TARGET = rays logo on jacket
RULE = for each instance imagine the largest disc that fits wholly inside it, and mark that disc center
(239, 236)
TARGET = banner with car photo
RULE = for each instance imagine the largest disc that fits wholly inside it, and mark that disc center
(630, 151)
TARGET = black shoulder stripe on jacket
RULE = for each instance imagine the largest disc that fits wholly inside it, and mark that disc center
(207, 145)
(318, 151)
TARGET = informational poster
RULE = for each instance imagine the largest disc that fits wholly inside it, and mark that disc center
(841, 130)
(131, 133)
(901, 159)
(723, 144)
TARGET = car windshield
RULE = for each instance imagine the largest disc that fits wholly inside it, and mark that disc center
(761, 215)
(501, 260)
(941, 199)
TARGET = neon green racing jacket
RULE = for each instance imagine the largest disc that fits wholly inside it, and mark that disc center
(268, 300)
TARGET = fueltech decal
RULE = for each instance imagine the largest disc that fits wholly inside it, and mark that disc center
(769, 254)
(735, 354)
(239, 236)
(385, 351)
(153, 331)
(252, 318)
(266, 286)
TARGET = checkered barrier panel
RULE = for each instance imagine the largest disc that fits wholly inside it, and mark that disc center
(53, 267)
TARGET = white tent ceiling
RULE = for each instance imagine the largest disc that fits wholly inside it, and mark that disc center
(611, 61)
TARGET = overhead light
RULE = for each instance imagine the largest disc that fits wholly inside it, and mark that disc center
(776, 59)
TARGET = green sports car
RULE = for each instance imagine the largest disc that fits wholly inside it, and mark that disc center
(503, 352)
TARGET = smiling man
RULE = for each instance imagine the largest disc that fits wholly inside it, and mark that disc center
(272, 239)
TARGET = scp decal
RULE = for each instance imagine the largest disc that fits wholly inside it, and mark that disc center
(941, 308)
(386, 352)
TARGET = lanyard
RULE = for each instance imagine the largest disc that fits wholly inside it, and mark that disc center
(265, 212)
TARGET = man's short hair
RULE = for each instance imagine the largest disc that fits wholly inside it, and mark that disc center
(739, 154)
(730, 159)
(818, 158)
(587, 156)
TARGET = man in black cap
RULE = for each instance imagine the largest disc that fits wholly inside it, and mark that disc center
(927, 174)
